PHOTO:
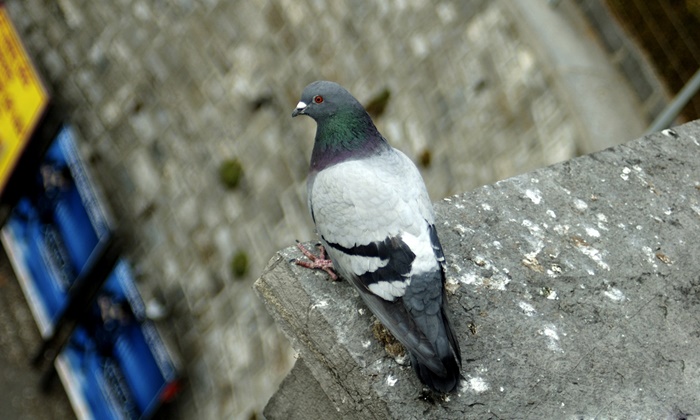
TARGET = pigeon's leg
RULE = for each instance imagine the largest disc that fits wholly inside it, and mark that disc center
(320, 262)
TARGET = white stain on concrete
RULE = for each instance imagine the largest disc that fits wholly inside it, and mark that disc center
(391, 380)
(593, 233)
(478, 385)
(602, 221)
(625, 175)
(555, 270)
(615, 294)
(451, 284)
(532, 227)
(562, 229)
(595, 255)
(534, 195)
(481, 261)
(550, 332)
(527, 308)
(402, 359)
(551, 214)
(498, 281)
(469, 278)
(537, 236)
(580, 204)
(651, 256)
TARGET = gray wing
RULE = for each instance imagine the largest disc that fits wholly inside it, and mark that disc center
(376, 221)
(375, 216)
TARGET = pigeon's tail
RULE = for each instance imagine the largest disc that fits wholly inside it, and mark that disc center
(419, 320)
(438, 383)
(448, 352)
(437, 358)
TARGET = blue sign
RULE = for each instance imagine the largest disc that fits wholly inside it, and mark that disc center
(115, 364)
(54, 230)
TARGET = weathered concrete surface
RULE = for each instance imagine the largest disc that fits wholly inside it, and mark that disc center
(299, 397)
(576, 291)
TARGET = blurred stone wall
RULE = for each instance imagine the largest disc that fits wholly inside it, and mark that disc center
(162, 92)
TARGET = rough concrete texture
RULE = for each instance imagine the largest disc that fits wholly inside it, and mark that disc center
(299, 397)
(574, 290)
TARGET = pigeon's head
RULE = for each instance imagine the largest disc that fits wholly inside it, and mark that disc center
(322, 99)
(344, 130)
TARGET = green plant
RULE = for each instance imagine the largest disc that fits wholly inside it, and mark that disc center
(239, 264)
(230, 173)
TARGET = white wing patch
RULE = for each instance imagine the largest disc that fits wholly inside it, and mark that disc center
(425, 260)
(390, 290)
(361, 265)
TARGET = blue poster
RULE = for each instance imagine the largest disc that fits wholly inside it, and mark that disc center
(115, 364)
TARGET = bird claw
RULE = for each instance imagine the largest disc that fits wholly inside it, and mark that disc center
(319, 263)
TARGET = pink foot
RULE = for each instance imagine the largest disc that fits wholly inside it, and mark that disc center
(320, 262)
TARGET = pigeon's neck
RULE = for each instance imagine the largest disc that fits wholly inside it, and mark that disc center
(344, 137)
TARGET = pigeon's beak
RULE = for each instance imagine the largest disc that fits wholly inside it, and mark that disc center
(301, 107)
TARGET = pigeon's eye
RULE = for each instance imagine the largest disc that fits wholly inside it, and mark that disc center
(318, 99)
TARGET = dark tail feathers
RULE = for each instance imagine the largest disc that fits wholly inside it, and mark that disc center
(451, 358)
(443, 384)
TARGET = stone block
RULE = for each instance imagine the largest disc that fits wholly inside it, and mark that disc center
(573, 289)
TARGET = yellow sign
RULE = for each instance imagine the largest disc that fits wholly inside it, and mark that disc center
(22, 97)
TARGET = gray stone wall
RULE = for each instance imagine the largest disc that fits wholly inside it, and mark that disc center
(162, 92)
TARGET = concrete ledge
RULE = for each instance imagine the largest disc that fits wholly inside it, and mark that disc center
(575, 292)
(299, 397)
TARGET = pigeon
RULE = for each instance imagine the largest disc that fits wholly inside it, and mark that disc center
(376, 223)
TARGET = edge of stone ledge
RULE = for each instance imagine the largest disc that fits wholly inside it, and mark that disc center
(346, 399)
